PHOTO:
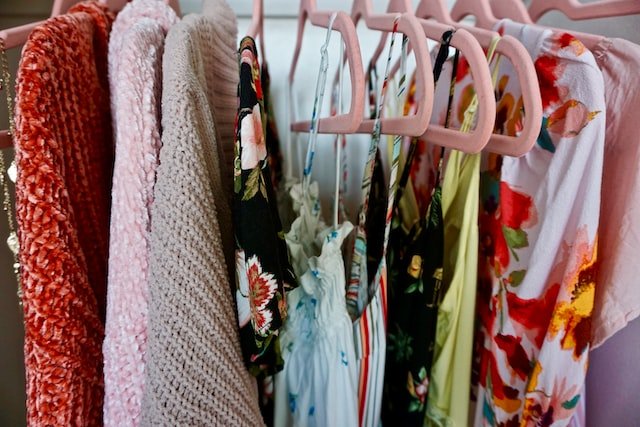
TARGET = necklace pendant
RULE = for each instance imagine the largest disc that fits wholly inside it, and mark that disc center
(12, 171)
(12, 242)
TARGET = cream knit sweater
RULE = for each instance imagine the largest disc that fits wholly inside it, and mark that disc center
(195, 374)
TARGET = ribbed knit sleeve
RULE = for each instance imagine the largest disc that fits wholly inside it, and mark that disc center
(221, 70)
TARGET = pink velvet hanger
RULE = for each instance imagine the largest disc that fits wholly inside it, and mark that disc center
(256, 28)
(468, 142)
(576, 11)
(17, 36)
(516, 11)
(511, 49)
(480, 9)
(118, 5)
(417, 124)
(344, 123)
(511, 9)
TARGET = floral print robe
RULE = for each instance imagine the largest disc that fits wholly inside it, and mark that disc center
(263, 271)
(538, 224)
(538, 237)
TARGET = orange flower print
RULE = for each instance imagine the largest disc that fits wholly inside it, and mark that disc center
(509, 110)
(467, 94)
(572, 316)
(567, 41)
(254, 147)
(256, 289)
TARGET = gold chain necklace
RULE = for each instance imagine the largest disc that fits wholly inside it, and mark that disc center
(12, 240)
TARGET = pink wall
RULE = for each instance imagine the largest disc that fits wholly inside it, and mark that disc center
(613, 380)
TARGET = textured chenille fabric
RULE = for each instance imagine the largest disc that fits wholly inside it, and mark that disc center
(135, 77)
(195, 375)
(64, 154)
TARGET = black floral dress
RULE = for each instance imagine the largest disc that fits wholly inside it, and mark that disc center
(274, 154)
(415, 288)
(263, 271)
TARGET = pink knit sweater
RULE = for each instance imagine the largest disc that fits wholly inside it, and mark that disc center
(135, 76)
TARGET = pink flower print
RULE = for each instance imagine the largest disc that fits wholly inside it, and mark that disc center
(242, 290)
(254, 148)
(417, 390)
(421, 389)
(246, 57)
(570, 118)
(544, 407)
(262, 289)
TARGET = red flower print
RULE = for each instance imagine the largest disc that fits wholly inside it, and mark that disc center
(262, 289)
(504, 396)
(533, 314)
(549, 70)
(516, 209)
(566, 40)
(258, 84)
(463, 69)
(502, 222)
(517, 357)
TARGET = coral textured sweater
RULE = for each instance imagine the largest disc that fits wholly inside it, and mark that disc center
(64, 154)
(135, 77)
(195, 375)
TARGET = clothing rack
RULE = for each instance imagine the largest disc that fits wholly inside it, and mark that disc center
(524, 200)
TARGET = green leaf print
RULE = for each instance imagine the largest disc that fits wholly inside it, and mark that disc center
(516, 277)
(516, 239)
(414, 406)
(252, 185)
(237, 184)
(400, 344)
(237, 175)
(422, 374)
(263, 186)
(415, 286)
(544, 139)
(570, 404)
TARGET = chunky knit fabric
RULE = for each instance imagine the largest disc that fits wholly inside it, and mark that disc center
(135, 76)
(221, 63)
(64, 157)
(195, 374)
